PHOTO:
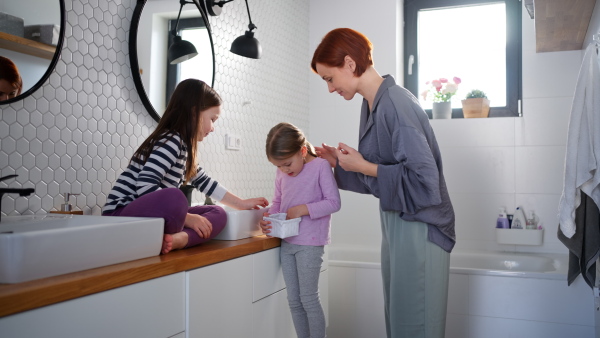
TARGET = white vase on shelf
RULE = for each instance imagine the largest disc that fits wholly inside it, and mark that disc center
(441, 110)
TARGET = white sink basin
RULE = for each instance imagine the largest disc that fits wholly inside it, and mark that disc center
(39, 246)
(241, 224)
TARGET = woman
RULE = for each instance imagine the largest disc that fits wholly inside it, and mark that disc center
(399, 162)
(10, 79)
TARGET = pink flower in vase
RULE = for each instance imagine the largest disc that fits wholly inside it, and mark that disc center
(441, 89)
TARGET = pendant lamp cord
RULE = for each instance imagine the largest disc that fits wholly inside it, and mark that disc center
(174, 31)
(251, 26)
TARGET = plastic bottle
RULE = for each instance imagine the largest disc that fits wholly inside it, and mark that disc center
(519, 220)
(502, 221)
(531, 221)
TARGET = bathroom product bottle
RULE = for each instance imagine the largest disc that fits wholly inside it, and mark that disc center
(519, 220)
(67, 208)
(531, 221)
(502, 221)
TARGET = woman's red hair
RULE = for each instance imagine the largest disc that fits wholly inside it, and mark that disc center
(341, 42)
(10, 73)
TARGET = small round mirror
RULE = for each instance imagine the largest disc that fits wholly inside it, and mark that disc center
(151, 35)
(31, 38)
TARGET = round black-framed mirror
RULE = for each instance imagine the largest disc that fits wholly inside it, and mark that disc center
(149, 39)
(38, 43)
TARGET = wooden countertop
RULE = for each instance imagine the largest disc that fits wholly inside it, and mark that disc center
(15, 298)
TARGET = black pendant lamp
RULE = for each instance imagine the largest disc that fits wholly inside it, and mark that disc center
(180, 50)
(247, 45)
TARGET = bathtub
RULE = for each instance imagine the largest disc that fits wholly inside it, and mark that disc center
(490, 294)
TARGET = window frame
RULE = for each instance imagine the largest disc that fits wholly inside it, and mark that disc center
(513, 50)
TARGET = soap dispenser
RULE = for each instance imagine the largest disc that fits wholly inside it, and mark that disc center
(519, 220)
(502, 221)
(67, 208)
(532, 221)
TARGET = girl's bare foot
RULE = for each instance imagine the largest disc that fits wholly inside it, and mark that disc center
(167, 244)
(174, 242)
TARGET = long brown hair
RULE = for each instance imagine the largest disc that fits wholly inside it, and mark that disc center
(340, 42)
(285, 140)
(182, 116)
(10, 73)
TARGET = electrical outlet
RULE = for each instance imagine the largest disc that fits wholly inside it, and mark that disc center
(233, 142)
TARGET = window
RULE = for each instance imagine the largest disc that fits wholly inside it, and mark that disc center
(194, 31)
(478, 41)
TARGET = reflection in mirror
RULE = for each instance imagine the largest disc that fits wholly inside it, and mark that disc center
(11, 84)
(32, 40)
(150, 37)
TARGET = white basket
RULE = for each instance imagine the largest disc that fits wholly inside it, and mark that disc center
(282, 227)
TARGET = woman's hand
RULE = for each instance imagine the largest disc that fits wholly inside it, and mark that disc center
(199, 224)
(329, 153)
(264, 225)
(297, 211)
(351, 160)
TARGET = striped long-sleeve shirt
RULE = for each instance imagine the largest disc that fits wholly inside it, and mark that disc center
(164, 168)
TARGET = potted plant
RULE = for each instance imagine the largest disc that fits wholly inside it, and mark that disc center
(476, 104)
(440, 92)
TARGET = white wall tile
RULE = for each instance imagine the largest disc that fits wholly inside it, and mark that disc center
(544, 122)
(370, 317)
(357, 223)
(342, 301)
(492, 132)
(90, 116)
(501, 328)
(512, 298)
(458, 294)
(482, 170)
(457, 326)
(476, 216)
(539, 169)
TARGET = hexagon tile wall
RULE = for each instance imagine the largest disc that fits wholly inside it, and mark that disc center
(78, 131)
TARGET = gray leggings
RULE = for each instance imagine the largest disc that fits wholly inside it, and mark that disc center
(301, 266)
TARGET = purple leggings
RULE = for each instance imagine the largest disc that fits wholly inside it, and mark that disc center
(172, 205)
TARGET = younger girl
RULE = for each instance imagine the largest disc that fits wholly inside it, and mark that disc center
(166, 159)
(304, 187)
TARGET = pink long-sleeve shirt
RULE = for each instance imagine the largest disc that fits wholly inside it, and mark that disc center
(314, 186)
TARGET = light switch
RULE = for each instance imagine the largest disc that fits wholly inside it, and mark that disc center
(233, 142)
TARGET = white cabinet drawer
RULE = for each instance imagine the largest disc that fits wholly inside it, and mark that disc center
(271, 317)
(154, 308)
(267, 276)
(220, 299)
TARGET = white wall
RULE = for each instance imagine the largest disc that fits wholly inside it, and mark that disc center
(31, 68)
(78, 131)
(488, 163)
(333, 120)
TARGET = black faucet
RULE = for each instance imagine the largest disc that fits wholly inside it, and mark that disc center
(20, 191)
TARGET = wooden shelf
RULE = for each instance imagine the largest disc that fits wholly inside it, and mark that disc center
(26, 46)
(561, 25)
